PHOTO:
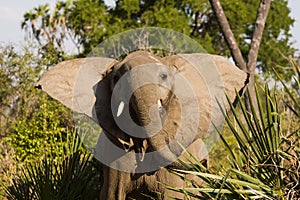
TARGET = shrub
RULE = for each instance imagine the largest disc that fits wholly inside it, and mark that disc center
(42, 125)
(74, 176)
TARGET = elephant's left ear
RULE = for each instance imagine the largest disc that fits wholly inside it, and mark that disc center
(210, 77)
(213, 72)
(71, 82)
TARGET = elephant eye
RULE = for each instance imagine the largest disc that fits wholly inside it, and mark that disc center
(164, 76)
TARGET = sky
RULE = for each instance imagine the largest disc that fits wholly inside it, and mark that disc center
(12, 11)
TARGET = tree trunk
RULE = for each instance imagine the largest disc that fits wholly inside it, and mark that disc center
(261, 18)
(228, 34)
(250, 65)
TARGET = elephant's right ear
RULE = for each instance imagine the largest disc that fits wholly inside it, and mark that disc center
(71, 82)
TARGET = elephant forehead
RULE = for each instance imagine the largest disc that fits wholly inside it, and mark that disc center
(142, 57)
(156, 74)
(151, 70)
(135, 59)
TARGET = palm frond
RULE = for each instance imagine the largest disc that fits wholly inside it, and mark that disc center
(71, 177)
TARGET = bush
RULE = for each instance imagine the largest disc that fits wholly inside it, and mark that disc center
(30, 121)
(43, 124)
(74, 176)
(8, 167)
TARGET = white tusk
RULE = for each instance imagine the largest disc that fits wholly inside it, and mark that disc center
(141, 156)
(143, 150)
(120, 108)
(159, 104)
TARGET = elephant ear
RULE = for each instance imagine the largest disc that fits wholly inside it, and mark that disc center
(210, 77)
(73, 83)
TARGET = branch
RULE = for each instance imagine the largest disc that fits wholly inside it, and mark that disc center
(197, 22)
(228, 35)
(261, 18)
(76, 44)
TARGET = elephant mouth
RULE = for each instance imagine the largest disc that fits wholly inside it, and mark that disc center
(140, 146)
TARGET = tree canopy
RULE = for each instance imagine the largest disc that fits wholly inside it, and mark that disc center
(88, 23)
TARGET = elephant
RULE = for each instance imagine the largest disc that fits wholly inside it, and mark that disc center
(154, 112)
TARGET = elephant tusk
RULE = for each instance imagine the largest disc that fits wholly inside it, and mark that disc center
(141, 156)
(159, 104)
(120, 108)
(162, 111)
(143, 150)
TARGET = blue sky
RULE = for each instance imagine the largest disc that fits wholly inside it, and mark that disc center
(12, 13)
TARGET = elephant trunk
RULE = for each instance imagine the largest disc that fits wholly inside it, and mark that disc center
(147, 106)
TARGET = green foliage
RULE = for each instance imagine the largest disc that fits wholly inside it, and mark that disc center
(30, 122)
(6, 56)
(16, 73)
(36, 136)
(88, 23)
(276, 40)
(293, 93)
(164, 14)
(74, 176)
(275, 44)
(49, 27)
(51, 55)
(40, 128)
(83, 22)
(9, 167)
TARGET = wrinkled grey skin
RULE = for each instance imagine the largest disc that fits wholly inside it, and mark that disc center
(163, 122)
(156, 112)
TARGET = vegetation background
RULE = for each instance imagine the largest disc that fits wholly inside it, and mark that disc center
(36, 131)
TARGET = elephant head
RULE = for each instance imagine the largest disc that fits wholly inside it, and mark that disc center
(139, 93)
(148, 106)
